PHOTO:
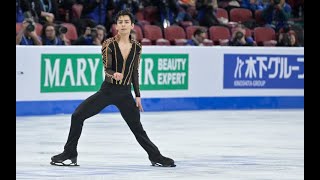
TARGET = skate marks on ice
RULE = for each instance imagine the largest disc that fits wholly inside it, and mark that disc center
(264, 144)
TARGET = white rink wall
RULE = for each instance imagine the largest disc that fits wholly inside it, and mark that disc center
(54, 80)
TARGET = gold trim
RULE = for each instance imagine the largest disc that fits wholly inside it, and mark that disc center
(115, 54)
(105, 47)
(124, 61)
(129, 80)
(138, 64)
(135, 49)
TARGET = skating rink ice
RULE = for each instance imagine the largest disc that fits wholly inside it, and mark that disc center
(206, 145)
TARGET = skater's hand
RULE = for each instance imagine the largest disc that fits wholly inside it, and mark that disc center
(138, 104)
(117, 76)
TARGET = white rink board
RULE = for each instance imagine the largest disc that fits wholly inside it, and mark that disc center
(205, 77)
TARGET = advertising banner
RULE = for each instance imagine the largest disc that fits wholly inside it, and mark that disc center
(263, 71)
(164, 71)
(84, 72)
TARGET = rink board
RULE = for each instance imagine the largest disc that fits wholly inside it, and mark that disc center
(54, 80)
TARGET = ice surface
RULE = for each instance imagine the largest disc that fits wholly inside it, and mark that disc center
(206, 145)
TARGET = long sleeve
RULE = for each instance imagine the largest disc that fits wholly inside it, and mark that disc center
(135, 75)
(107, 60)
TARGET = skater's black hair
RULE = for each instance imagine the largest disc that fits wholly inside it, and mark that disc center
(125, 12)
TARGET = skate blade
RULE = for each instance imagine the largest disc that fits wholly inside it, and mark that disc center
(161, 165)
(63, 164)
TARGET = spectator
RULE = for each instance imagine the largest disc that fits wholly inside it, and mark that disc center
(229, 4)
(101, 35)
(297, 8)
(22, 7)
(48, 11)
(27, 34)
(50, 35)
(169, 10)
(206, 13)
(92, 36)
(133, 5)
(197, 38)
(286, 38)
(252, 5)
(239, 37)
(276, 14)
(43, 11)
(85, 38)
(98, 11)
(145, 3)
(185, 13)
(65, 12)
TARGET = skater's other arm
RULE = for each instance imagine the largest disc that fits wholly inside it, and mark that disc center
(107, 60)
(135, 80)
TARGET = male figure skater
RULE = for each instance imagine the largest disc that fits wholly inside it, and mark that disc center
(121, 58)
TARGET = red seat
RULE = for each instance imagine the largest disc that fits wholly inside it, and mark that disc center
(162, 42)
(18, 27)
(38, 28)
(269, 43)
(72, 31)
(222, 13)
(138, 32)
(240, 15)
(263, 34)
(152, 32)
(174, 33)
(218, 33)
(180, 42)
(146, 42)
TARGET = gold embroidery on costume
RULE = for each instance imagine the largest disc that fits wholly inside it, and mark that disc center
(138, 67)
(105, 45)
(138, 44)
(124, 61)
(115, 52)
(135, 49)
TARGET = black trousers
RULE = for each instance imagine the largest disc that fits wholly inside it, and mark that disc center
(121, 97)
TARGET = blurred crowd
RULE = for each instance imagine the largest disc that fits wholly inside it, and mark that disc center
(179, 22)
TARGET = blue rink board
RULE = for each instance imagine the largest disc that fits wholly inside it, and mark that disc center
(27, 108)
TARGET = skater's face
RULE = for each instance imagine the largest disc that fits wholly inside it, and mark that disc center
(124, 24)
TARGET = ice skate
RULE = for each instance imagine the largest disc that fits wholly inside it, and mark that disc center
(64, 159)
(162, 161)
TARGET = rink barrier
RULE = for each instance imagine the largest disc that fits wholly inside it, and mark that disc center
(55, 79)
(169, 104)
